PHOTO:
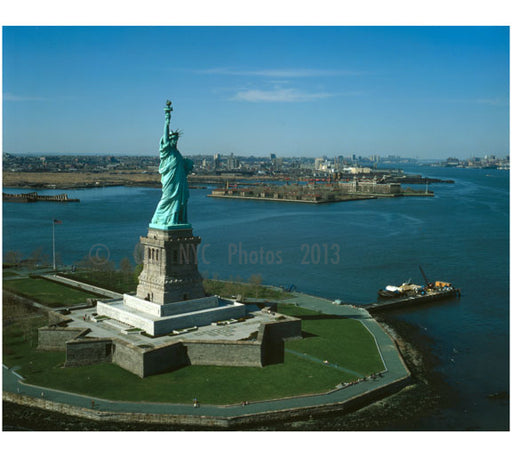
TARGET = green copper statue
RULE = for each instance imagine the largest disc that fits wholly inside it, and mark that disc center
(171, 212)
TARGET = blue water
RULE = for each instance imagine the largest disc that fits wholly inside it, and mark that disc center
(345, 250)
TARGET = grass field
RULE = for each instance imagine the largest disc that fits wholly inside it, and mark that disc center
(9, 274)
(342, 341)
(19, 342)
(213, 385)
(116, 281)
(47, 292)
(230, 288)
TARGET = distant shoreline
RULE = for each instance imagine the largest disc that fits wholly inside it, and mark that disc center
(135, 178)
(78, 180)
(88, 180)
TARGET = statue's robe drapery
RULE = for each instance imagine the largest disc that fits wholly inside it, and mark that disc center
(172, 208)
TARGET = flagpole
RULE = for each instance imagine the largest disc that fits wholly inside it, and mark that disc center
(53, 232)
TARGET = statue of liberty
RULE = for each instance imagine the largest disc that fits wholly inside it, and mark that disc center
(171, 211)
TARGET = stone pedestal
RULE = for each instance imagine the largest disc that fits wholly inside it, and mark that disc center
(158, 320)
(170, 267)
(170, 294)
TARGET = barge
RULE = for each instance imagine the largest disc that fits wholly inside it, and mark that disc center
(415, 299)
(410, 294)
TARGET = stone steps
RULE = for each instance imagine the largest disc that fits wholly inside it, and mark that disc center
(127, 312)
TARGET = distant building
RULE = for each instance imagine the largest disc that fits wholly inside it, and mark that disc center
(216, 161)
(232, 162)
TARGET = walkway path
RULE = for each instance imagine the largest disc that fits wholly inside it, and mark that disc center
(83, 285)
(396, 371)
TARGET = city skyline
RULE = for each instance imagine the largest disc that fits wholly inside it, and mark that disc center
(420, 92)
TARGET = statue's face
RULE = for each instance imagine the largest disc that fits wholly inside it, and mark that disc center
(173, 139)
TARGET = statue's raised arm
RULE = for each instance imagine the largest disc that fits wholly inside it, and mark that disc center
(167, 110)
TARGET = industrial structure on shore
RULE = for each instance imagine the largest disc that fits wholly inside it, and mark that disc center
(314, 192)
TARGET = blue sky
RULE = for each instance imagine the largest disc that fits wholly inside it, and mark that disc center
(425, 92)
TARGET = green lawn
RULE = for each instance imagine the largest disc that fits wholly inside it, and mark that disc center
(116, 281)
(345, 342)
(230, 288)
(47, 292)
(210, 384)
(8, 274)
(19, 342)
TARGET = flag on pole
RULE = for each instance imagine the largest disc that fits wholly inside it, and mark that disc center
(56, 221)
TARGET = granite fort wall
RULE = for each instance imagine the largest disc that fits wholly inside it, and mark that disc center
(55, 317)
(164, 359)
(88, 351)
(268, 348)
(224, 353)
(285, 329)
(147, 361)
(129, 357)
(272, 335)
(55, 338)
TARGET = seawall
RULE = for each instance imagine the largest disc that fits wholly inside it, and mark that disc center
(225, 420)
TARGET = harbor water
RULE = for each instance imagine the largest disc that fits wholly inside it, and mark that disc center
(343, 251)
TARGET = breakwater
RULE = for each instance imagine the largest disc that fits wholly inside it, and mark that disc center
(32, 197)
